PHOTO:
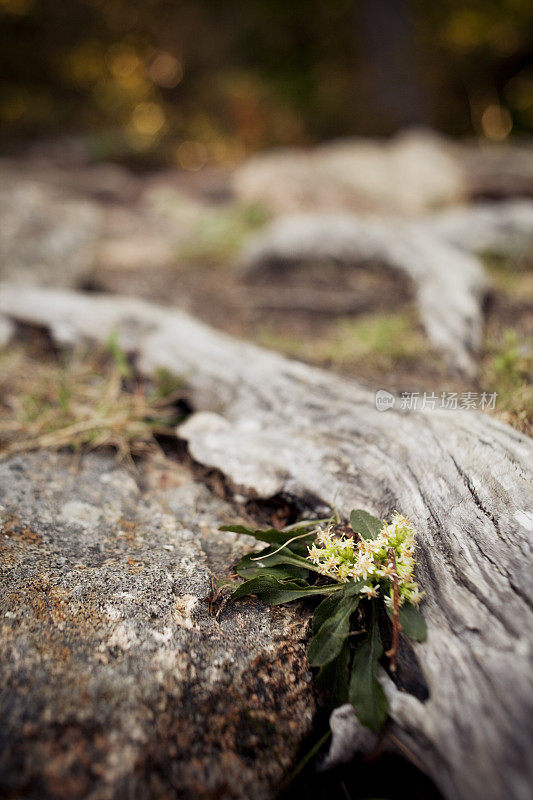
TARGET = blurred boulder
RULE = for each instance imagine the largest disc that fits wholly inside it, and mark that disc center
(48, 235)
(414, 172)
(138, 251)
(408, 174)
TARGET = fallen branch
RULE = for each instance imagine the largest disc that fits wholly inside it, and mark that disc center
(437, 253)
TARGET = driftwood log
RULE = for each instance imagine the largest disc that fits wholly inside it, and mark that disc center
(277, 426)
(437, 253)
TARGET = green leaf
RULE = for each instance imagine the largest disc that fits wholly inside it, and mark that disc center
(364, 523)
(412, 622)
(353, 587)
(280, 573)
(265, 558)
(271, 590)
(332, 678)
(271, 535)
(326, 609)
(249, 566)
(327, 642)
(328, 606)
(366, 694)
(237, 529)
(285, 556)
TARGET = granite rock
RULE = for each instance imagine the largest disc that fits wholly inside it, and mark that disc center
(117, 678)
(48, 235)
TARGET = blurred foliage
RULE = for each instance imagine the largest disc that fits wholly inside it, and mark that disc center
(511, 276)
(507, 363)
(220, 233)
(508, 366)
(200, 81)
(384, 341)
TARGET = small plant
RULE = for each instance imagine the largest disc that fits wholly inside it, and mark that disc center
(365, 573)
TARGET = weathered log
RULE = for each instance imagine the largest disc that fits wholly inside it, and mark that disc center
(504, 228)
(449, 283)
(437, 253)
(272, 425)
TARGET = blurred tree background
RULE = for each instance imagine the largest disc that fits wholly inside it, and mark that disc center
(197, 82)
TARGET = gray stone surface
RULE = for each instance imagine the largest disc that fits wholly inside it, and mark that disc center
(48, 236)
(116, 679)
(72, 226)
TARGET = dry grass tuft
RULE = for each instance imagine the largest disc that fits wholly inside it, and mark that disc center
(82, 400)
(508, 367)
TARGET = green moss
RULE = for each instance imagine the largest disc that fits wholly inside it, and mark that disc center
(389, 338)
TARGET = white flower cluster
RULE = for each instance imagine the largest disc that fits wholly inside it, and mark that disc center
(376, 561)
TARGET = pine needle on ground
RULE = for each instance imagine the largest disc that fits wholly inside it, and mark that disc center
(82, 400)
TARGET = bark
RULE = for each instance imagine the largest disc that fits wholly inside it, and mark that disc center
(464, 479)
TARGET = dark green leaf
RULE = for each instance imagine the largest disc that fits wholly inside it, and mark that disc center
(271, 590)
(412, 622)
(326, 608)
(237, 529)
(327, 642)
(332, 678)
(300, 547)
(366, 693)
(280, 573)
(248, 566)
(272, 535)
(353, 587)
(284, 556)
(252, 562)
(364, 523)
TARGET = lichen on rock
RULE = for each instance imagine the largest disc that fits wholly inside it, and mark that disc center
(115, 680)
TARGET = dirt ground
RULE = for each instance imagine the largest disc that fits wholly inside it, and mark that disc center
(175, 237)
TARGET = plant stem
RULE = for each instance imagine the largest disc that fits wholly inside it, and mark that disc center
(395, 614)
(305, 760)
